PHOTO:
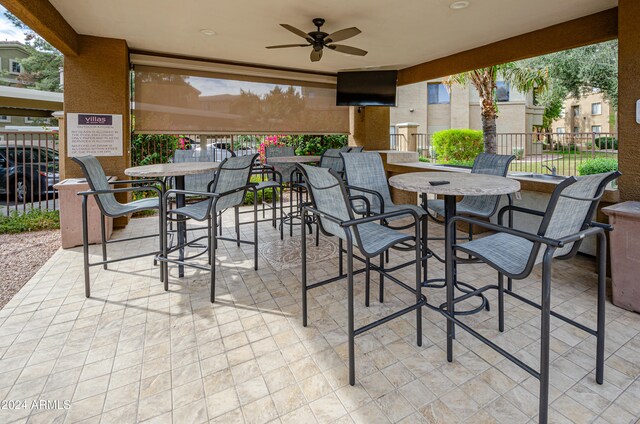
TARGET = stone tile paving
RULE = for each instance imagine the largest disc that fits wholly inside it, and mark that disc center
(134, 353)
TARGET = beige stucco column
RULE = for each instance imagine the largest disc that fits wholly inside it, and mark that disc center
(369, 127)
(407, 136)
(97, 81)
(629, 93)
(459, 106)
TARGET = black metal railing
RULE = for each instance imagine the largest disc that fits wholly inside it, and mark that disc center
(29, 167)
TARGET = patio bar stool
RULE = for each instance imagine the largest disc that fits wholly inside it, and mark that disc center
(566, 222)
(331, 205)
(110, 207)
(226, 191)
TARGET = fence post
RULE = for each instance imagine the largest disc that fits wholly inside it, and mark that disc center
(593, 145)
(407, 133)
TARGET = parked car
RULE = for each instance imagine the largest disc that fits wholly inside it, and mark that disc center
(28, 173)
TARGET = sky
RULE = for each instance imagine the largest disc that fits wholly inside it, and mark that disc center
(7, 31)
(214, 86)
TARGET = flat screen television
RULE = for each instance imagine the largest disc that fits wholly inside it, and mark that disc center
(367, 88)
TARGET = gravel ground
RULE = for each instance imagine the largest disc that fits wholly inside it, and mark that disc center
(21, 255)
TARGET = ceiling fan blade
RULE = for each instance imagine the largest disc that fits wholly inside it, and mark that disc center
(316, 55)
(282, 46)
(343, 34)
(296, 31)
(348, 49)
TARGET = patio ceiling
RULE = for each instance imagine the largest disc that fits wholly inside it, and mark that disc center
(396, 34)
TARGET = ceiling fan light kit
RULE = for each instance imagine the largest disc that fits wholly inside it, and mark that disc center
(319, 39)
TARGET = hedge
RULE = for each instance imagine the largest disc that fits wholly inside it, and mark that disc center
(458, 144)
(597, 166)
(606, 143)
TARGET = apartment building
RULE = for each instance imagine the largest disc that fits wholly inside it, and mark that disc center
(434, 107)
(589, 113)
(10, 54)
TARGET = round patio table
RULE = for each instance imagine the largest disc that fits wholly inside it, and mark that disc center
(458, 184)
(178, 171)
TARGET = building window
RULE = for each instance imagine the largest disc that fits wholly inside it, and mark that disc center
(560, 130)
(596, 128)
(563, 112)
(5, 118)
(576, 129)
(596, 108)
(28, 120)
(14, 66)
(575, 110)
(437, 94)
(502, 91)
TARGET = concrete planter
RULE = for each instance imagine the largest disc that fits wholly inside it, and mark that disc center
(71, 213)
(625, 254)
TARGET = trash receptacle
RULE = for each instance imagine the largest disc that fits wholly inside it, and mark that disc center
(71, 213)
(624, 248)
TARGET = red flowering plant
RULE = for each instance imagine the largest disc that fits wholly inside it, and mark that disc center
(270, 140)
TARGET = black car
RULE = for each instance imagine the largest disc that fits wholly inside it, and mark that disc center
(28, 173)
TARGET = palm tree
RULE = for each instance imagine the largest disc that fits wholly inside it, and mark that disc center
(484, 80)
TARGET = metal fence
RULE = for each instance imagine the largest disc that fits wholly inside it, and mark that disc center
(541, 152)
(149, 149)
(29, 166)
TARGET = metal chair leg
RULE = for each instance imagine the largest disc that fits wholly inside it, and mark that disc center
(255, 235)
(381, 284)
(500, 302)
(351, 324)
(602, 290)
(367, 281)
(103, 237)
(212, 259)
(237, 218)
(545, 328)
(85, 247)
(303, 269)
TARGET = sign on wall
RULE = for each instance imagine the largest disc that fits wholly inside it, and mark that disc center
(94, 134)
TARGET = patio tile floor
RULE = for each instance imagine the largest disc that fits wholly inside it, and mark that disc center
(135, 353)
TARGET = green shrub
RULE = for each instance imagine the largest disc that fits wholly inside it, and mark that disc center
(34, 220)
(597, 166)
(518, 153)
(465, 163)
(606, 143)
(458, 145)
(268, 193)
(147, 149)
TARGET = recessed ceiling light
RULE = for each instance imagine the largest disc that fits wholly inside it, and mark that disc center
(457, 5)
(207, 32)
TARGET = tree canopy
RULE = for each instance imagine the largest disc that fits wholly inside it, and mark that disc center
(41, 69)
(578, 72)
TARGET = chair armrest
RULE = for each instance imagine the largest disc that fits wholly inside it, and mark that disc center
(581, 235)
(315, 211)
(365, 190)
(381, 216)
(367, 204)
(120, 190)
(606, 227)
(517, 209)
(502, 229)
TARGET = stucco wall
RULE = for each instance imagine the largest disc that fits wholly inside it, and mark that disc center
(97, 81)
(413, 96)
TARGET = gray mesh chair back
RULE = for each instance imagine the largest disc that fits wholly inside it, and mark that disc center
(331, 159)
(97, 180)
(488, 164)
(232, 173)
(329, 197)
(284, 168)
(367, 171)
(197, 182)
(574, 208)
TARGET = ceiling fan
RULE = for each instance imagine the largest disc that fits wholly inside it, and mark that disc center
(319, 40)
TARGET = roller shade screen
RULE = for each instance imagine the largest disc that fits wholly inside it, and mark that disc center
(168, 100)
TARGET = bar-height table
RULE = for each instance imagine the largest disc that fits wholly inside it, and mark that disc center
(457, 184)
(178, 171)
